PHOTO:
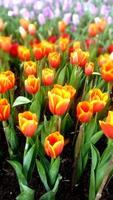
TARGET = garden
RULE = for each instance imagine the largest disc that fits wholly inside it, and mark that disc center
(56, 100)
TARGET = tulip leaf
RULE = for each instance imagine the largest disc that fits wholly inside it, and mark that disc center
(67, 123)
(61, 76)
(18, 169)
(42, 174)
(21, 100)
(89, 130)
(54, 169)
(29, 161)
(26, 193)
(51, 194)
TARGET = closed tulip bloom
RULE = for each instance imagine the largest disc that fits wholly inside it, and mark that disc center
(54, 144)
(5, 43)
(32, 29)
(54, 59)
(38, 51)
(98, 99)
(7, 81)
(76, 45)
(63, 43)
(24, 23)
(47, 47)
(107, 126)
(89, 68)
(107, 71)
(47, 76)
(61, 26)
(93, 30)
(32, 84)
(79, 58)
(70, 89)
(30, 68)
(28, 123)
(84, 111)
(23, 53)
(59, 100)
(4, 109)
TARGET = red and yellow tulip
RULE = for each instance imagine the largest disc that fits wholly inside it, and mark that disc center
(30, 68)
(107, 126)
(84, 111)
(79, 58)
(4, 109)
(47, 76)
(7, 81)
(28, 123)
(54, 59)
(32, 84)
(54, 144)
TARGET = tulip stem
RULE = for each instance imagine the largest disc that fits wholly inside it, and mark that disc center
(26, 146)
(59, 123)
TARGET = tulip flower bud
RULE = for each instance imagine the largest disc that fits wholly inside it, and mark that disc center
(61, 26)
(89, 68)
(23, 53)
(107, 71)
(32, 29)
(7, 81)
(107, 126)
(47, 76)
(54, 59)
(28, 123)
(22, 32)
(30, 68)
(54, 144)
(4, 109)
(84, 111)
(32, 84)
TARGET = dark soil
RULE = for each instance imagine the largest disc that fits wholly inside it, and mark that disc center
(9, 188)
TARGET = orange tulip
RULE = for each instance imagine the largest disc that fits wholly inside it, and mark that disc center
(28, 123)
(76, 45)
(54, 144)
(63, 43)
(4, 109)
(79, 58)
(47, 47)
(93, 30)
(5, 43)
(89, 68)
(59, 100)
(24, 23)
(30, 68)
(84, 111)
(38, 51)
(32, 84)
(107, 71)
(7, 81)
(23, 53)
(98, 99)
(107, 126)
(61, 26)
(102, 59)
(101, 25)
(32, 29)
(47, 76)
(54, 59)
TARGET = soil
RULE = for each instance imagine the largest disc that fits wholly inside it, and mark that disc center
(9, 188)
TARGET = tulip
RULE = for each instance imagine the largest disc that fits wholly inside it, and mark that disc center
(79, 58)
(47, 76)
(23, 53)
(54, 59)
(107, 71)
(59, 100)
(38, 51)
(14, 49)
(7, 81)
(32, 84)
(89, 68)
(71, 90)
(28, 123)
(107, 126)
(63, 43)
(93, 30)
(98, 99)
(30, 68)
(5, 43)
(31, 29)
(102, 59)
(101, 25)
(84, 111)
(76, 45)
(4, 109)
(22, 32)
(110, 48)
(54, 144)
(47, 47)
(61, 26)
(24, 23)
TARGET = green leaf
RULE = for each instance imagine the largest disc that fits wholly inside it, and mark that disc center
(29, 161)
(26, 193)
(61, 76)
(54, 169)
(20, 101)
(18, 169)
(66, 123)
(42, 174)
(90, 129)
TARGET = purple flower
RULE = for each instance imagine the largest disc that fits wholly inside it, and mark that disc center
(67, 18)
(41, 19)
(47, 12)
(75, 19)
